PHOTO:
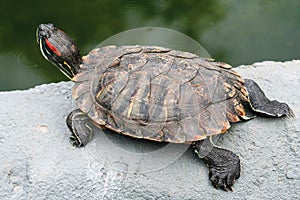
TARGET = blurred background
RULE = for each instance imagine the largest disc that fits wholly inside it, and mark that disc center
(232, 31)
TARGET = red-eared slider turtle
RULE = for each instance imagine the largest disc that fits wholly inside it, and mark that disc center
(158, 94)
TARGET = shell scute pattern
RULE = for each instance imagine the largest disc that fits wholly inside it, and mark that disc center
(158, 93)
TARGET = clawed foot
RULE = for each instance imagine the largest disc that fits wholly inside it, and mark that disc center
(224, 165)
(81, 127)
(223, 177)
(75, 141)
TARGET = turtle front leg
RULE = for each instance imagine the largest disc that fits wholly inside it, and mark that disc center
(260, 103)
(81, 127)
(224, 165)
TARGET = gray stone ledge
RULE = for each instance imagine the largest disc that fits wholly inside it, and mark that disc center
(37, 161)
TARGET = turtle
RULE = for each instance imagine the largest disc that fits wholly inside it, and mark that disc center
(159, 94)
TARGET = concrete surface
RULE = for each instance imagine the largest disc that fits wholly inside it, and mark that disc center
(37, 161)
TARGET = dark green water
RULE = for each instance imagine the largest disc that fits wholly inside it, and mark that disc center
(232, 31)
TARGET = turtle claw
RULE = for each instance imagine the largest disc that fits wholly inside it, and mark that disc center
(223, 179)
(222, 186)
(74, 141)
(224, 172)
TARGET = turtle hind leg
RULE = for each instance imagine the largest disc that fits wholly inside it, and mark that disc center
(261, 104)
(224, 165)
(81, 127)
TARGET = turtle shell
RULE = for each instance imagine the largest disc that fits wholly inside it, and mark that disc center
(158, 93)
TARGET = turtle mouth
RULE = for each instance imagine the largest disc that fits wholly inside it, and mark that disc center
(43, 48)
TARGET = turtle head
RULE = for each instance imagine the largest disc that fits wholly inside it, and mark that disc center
(59, 48)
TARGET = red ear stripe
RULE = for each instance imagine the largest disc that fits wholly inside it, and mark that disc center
(53, 48)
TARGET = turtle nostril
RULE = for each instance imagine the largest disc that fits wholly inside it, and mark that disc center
(42, 31)
(45, 30)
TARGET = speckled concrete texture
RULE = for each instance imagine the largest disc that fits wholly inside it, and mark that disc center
(38, 162)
